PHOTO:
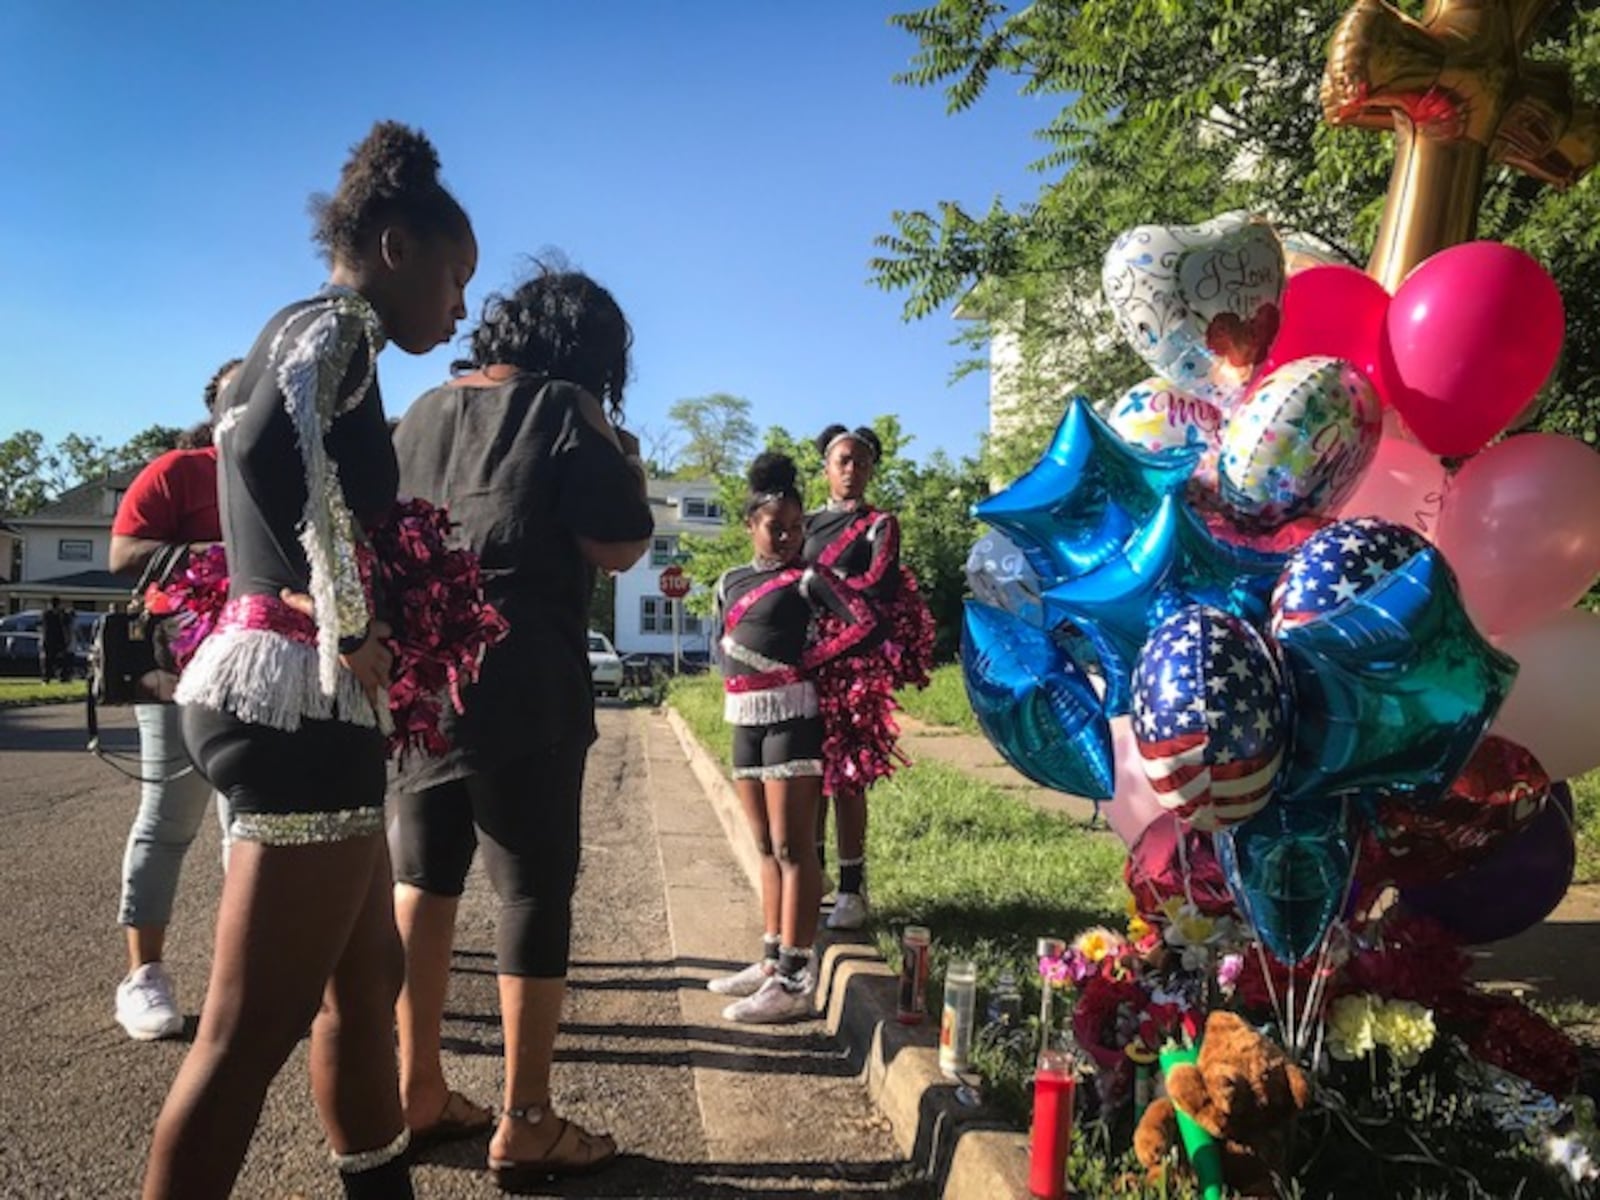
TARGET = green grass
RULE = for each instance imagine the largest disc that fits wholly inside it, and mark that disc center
(698, 699)
(943, 701)
(1586, 811)
(15, 693)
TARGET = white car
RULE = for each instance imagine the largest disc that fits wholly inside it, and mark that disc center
(605, 668)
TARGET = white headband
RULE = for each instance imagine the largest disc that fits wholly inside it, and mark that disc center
(847, 436)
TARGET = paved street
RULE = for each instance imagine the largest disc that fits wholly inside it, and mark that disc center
(700, 1108)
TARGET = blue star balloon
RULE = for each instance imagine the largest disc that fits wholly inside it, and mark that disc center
(1035, 704)
(1171, 563)
(1393, 687)
(1289, 869)
(1083, 500)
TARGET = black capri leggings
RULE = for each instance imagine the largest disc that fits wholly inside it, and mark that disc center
(525, 816)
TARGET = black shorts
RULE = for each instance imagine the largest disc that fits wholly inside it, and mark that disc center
(322, 783)
(785, 750)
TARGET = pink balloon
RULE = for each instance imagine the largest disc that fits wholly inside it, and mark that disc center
(1522, 529)
(1469, 338)
(1554, 705)
(1335, 311)
(1135, 804)
(1405, 485)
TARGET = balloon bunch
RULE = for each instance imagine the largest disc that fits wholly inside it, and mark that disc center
(1250, 605)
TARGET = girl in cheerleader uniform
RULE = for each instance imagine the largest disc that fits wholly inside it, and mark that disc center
(856, 694)
(770, 649)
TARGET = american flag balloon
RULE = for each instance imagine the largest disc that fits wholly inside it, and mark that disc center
(1336, 564)
(1209, 717)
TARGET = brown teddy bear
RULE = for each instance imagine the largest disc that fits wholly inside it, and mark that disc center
(1244, 1091)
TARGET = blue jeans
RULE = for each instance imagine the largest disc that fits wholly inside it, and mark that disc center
(169, 816)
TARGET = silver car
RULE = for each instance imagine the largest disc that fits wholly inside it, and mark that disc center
(605, 668)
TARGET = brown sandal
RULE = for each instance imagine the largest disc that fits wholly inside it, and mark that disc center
(575, 1151)
(459, 1118)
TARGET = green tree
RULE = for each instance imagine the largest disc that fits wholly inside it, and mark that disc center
(144, 446)
(1172, 112)
(24, 467)
(717, 433)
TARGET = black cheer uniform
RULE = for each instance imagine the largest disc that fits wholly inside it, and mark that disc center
(271, 716)
(768, 651)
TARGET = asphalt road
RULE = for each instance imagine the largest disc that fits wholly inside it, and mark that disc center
(700, 1108)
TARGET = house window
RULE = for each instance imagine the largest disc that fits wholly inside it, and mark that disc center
(701, 509)
(75, 550)
(656, 616)
(663, 550)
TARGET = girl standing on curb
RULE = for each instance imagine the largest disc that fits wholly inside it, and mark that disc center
(766, 612)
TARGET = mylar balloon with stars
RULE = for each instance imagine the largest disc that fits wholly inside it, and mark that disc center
(1393, 685)
(1170, 563)
(1035, 704)
(1082, 502)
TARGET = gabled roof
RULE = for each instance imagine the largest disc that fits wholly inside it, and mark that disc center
(82, 501)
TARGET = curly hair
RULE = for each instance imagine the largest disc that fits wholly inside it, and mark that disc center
(214, 384)
(772, 477)
(861, 434)
(559, 324)
(392, 175)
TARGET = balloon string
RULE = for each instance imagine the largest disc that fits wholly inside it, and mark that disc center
(1272, 988)
(1319, 981)
(1183, 868)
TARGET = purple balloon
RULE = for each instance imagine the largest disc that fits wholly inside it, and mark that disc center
(1512, 890)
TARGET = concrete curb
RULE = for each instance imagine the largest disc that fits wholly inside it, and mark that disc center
(968, 1152)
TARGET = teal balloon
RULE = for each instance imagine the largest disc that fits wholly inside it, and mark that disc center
(1289, 869)
(1171, 563)
(1035, 704)
(1393, 688)
(1079, 505)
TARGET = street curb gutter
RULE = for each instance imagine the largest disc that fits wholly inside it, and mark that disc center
(966, 1151)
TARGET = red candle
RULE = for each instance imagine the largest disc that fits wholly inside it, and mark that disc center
(1053, 1086)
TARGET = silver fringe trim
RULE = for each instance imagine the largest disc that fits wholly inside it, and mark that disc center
(265, 678)
(799, 768)
(309, 374)
(750, 658)
(307, 829)
(366, 1160)
(770, 705)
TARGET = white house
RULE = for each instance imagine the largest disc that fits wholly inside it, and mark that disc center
(66, 547)
(644, 617)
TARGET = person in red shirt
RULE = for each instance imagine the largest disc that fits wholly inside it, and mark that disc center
(172, 501)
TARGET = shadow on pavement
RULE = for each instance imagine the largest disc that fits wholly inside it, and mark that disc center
(639, 1177)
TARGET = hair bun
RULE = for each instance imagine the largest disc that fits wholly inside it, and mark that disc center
(772, 473)
(869, 438)
(395, 160)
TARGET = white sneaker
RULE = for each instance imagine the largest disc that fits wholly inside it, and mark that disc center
(849, 911)
(778, 999)
(743, 983)
(146, 1005)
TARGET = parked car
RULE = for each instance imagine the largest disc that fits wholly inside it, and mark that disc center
(605, 668)
(19, 642)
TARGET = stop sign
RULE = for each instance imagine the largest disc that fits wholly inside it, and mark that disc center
(674, 583)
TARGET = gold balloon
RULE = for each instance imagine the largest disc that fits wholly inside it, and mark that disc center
(1456, 91)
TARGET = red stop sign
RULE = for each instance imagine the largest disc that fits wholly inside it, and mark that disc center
(674, 583)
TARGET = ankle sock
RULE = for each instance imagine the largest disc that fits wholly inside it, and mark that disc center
(769, 947)
(792, 960)
(382, 1174)
(852, 874)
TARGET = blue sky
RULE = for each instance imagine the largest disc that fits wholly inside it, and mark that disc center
(722, 167)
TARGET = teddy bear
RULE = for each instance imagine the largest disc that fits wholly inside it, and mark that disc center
(1244, 1091)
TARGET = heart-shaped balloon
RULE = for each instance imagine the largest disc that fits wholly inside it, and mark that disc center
(1154, 415)
(1199, 303)
(1299, 441)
